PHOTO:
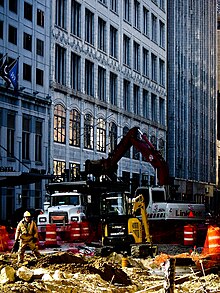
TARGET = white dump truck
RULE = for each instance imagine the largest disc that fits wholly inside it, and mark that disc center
(65, 205)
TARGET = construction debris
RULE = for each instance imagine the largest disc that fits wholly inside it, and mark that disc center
(68, 272)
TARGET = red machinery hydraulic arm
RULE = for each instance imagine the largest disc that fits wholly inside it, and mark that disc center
(135, 138)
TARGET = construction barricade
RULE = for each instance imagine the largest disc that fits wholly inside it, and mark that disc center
(189, 235)
(212, 242)
(51, 235)
(74, 231)
(84, 230)
(4, 238)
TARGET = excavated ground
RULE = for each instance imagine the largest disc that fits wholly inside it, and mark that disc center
(68, 272)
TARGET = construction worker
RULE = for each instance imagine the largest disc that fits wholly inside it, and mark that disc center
(27, 234)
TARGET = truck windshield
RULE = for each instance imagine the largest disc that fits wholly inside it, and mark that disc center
(158, 196)
(113, 204)
(65, 200)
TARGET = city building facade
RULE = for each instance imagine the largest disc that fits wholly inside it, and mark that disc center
(192, 98)
(108, 74)
(24, 105)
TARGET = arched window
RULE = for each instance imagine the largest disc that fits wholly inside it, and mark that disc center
(59, 124)
(125, 131)
(113, 135)
(75, 127)
(88, 132)
(101, 135)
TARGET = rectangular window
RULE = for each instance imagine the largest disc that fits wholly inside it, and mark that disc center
(126, 94)
(75, 71)
(153, 107)
(40, 17)
(60, 19)
(114, 5)
(89, 27)
(26, 123)
(76, 18)
(12, 34)
(136, 56)
(60, 65)
(162, 72)
(154, 67)
(136, 94)
(126, 10)
(145, 103)
(59, 168)
(39, 77)
(145, 62)
(89, 78)
(10, 135)
(126, 50)
(26, 72)
(113, 88)
(27, 42)
(162, 34)
(101, 34)
(38, 141)
(145, 21)
(27, 11)
(13, 6)
(1, 29)
(101, 83)
(136, 14)
(154, 28)
(161, 111)
(40, 47)
(113, 42)
(162, 4)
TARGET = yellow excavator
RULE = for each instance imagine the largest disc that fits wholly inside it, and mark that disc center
(125, 225)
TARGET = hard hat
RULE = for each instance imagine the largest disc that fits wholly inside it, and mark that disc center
(27, 214)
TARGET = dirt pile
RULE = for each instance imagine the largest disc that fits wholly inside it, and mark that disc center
(66, 272)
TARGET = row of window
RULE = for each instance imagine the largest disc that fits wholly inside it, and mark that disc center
(27, 11)
(130, 96)
(27, 39)
(152, 27)
(32, 133)
(147, 64)
(85, 132)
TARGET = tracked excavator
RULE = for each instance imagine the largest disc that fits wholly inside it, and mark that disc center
(121, 228)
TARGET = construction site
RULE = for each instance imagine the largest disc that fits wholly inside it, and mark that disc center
(93, 235)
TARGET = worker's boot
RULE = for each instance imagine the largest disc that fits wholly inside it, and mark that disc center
(36, 253)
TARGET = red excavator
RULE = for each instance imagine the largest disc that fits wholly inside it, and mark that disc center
(139, 140)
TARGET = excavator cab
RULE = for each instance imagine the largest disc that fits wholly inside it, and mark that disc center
(121, 230)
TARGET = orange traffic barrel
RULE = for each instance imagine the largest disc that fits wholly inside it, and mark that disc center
(74, 231)
(5, 237)
(84, 230)
(51, 235)
(188, 235)
(212, 242)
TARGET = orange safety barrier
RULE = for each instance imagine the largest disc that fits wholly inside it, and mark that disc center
(4, 237)
(74, 231)
(188, 235)
(84, 230)
(51, 235)
(212, 242)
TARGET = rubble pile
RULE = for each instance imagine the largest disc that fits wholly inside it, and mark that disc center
(66, 272)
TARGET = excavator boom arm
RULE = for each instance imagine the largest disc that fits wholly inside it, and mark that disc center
(139, 140)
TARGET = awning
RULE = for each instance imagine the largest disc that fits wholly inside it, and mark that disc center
(17, 178)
